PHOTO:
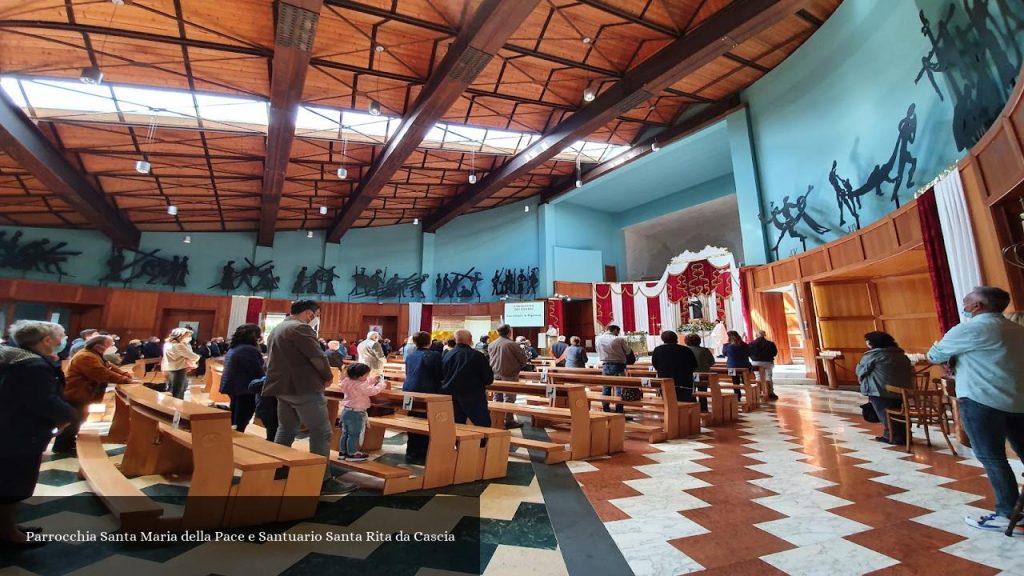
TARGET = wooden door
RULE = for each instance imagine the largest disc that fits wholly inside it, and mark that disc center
(610, 274)
(579, 320)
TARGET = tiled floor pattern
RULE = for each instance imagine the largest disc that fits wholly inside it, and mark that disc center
(798, 488)
(513, 527)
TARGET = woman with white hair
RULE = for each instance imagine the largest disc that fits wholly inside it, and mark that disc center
(31, 406)
(177, 360)
(370, 352)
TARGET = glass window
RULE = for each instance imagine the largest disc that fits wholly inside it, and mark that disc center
(65, 95)
(228, 109)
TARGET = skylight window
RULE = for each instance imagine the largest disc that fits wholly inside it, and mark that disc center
(65, 95)
(231, 109)
(59, 98)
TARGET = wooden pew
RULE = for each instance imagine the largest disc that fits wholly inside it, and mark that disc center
(678, 419)
(214, 372)
(135, 511)
(723, 407)
(165, 435)
(748, 384)
(457, 453)
(591, 433)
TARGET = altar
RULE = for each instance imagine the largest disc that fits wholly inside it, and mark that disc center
(698, 292)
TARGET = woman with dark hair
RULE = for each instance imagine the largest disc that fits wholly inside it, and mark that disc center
(884, 364)
(31, 406)
(242, 365)
(737, 355)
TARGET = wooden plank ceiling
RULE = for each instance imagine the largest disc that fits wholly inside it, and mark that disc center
(214, 173)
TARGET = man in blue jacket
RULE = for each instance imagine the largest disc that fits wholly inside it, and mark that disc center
(422, 374)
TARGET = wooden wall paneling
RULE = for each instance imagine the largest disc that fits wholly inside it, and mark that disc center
(846, 253)
(876, 307)
(1000, 160)
(902, 295)
(814, 263)
(762, 276)
(908, 227)
(132, 313)
(845, 333)
(915, 335)
(841, 299)
(574, 289)
(785, 272)
(880, 241)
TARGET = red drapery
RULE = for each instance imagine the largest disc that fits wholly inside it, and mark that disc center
(556, 314)
(603, 303)
(938, 266)
(653, 312)
(252, 312)
(628, 308)
(745, 304)
(427, 318)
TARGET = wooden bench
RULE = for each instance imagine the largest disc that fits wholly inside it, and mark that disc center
(457, 453)
(168, 436)
(135, 511)
(723, 408)
(591, 433)
(677, 419)
(214, 372)
(748, 384)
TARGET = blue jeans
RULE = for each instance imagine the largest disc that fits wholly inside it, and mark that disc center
(353, 423)
(989, 429)
(613, 369)
(308, 409)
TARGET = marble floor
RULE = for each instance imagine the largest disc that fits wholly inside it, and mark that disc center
(799, 487)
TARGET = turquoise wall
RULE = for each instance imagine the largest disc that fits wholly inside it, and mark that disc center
(681, 200)
(840, 97)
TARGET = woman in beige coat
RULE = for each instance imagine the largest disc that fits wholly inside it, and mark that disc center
(178, 359)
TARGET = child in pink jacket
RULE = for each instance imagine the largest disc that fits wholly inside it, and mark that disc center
(358, 387)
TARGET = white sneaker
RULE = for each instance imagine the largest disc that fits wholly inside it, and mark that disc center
(992, 522)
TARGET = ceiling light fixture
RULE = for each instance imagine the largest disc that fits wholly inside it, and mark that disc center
(526, 208)
(579, 173)
(654, 146)
(587, 39)
(415, 221)
(172, 210)
(589, 93)
(91, 75)
(374, 104)
(309, 234)
(188, 239)
(323, 210)
(472, 167)
(342, 171)
(142, 166)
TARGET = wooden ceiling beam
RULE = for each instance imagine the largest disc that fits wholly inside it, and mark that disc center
(734, 24)
(22, 140)
(481, 38)
(296, 22)
(709, 115)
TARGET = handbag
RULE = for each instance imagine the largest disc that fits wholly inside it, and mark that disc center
(632, 394)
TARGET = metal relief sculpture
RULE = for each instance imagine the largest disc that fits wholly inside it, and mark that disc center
(459, 285)
(515, 282)
(379, 286)
(980, 57)
(255, 277)
(146, 266)
(320, 282)
(34, 256)
(787, 217)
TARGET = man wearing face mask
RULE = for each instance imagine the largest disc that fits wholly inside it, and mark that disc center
(987, 353)
(31, 406)
(297, 373)
(88, 375)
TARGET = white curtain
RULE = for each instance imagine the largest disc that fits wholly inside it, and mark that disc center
(957, 235)
(415, 316)
(239, 308)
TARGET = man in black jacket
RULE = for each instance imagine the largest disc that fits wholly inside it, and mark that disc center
(422, 374)
(676, 362)
(762, 354)
(467, 374)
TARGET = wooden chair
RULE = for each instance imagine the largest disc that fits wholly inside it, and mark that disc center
(923, 406)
